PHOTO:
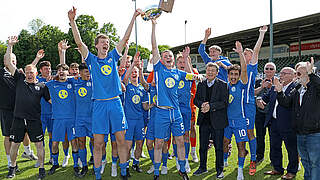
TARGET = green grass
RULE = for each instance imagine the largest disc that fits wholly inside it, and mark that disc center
(29, 172)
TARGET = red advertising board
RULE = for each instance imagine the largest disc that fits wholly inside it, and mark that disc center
(306, 46)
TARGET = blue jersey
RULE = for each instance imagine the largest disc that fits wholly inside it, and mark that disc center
(46, 108)
(62, 97)
(252, 71)
(235, 110)
(83, 93)
(104, 75)
(223, 73)
(184, 93)
(167, 82)
(134, 97)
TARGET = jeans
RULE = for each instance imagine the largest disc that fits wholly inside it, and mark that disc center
(308, 147)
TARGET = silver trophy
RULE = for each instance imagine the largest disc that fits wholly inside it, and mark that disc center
(151, 12)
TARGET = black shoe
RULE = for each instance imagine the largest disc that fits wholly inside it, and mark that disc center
(184, 175)
(136, 167)
(124, 177)
(53, 169)
(17, 168)
(156, 177)
(84, 171)
(91, 161)
(12, 172)
(200, 171)
(42, 173)
(128, 173)
(76, 171)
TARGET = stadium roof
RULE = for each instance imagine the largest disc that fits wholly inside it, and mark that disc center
(285, 32)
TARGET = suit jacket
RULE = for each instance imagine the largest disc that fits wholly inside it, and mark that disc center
(218, 103)
(283, 114)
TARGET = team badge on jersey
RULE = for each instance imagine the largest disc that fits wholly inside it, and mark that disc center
(37, 88)
(233, 89)
(230, 98)
(181, 84)
(136, 99)
(170, 82)
(176, 76)
(109, 60)
(82, 92)
(63, 94)
(154, 99)
(106, 70)
(69, 86)
(88, 84)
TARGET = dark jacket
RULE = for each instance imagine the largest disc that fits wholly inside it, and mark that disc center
(283, 114)
(218, 103)
(306, 118)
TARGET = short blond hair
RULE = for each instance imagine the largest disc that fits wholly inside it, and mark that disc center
(100, 36)
(31, 66)
(216, 47)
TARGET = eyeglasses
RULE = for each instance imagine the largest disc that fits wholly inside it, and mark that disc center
(271, 69)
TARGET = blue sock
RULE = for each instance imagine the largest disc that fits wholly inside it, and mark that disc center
(55, 158)
(241, 161)
(187, 149)
(253, 148)
(175, 150)
(135, 161)
(75, 156)
(225, 157)
(66, 151)
(151, 155)
(103, 157)
(50, 147)
(164, 159)
(123, 168)
(83, 156)
(91, 148)
(156, 168)
(114, 160)
(182, 164)
(97, 172)
(133, 144)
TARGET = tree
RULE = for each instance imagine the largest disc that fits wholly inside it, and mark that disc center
(35, 25)
(163, 48)
(111, 31)
(24, 48)
(3, 48)
(144, 52)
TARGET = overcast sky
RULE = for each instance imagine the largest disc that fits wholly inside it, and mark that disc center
(223, 16)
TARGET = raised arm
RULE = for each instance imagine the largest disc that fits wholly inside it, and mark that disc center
(8, 56)
(155, 51)
(124, 57)
(127, 75)
(185, 55)
(257, 47)
(82, 58)
(76, 35)
(62, 48)
(243, 64)
(202, 47)
(126, 36)
(139, 64)
(40, 55)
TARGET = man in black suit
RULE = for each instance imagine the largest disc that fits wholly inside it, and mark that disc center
(212, 100)
(281, 127)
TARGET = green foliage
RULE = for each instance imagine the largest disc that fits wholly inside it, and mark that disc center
(111, 31)
(3, 48)
(144, 52)
(163, 47)
(35, 25)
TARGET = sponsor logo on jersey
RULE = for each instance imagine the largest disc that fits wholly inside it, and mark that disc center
(106, 70)
(170, 82)
(82, 91)
(63, 94)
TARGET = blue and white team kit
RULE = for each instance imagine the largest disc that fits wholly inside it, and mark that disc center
(236, 115)
(249, 104)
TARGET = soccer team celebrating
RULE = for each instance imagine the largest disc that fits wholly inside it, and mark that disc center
(99, 98)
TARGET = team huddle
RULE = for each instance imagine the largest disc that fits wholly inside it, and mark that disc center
(109, 94)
